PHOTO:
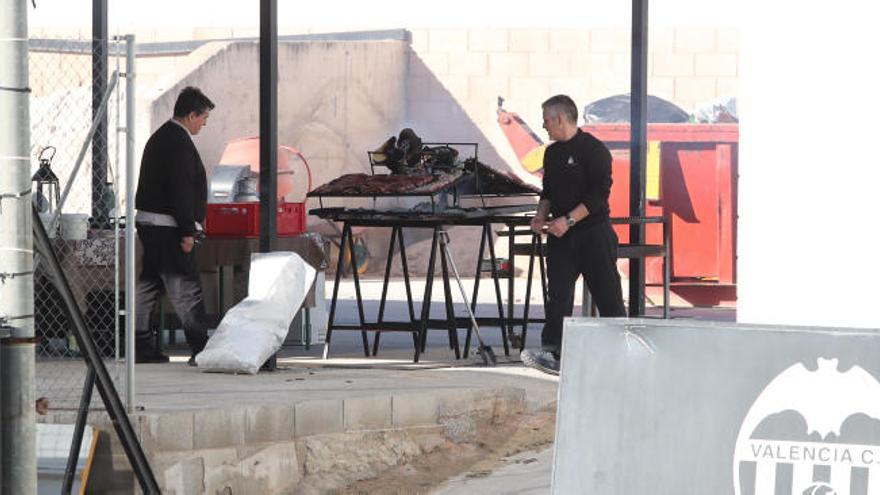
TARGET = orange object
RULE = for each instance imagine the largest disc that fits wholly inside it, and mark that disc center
(246, 151)
(529, 148)
(692, 179)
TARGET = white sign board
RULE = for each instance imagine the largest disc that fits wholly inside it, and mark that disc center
(704, 407)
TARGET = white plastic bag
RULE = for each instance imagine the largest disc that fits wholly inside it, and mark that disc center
(254, 329)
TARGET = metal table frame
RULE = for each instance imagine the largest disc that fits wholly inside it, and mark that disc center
(417, 326)
(537, 248)
(507, 322)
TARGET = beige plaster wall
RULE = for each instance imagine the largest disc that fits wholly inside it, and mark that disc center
(336, 99)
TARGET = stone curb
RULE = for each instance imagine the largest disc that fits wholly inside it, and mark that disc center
(192, 451)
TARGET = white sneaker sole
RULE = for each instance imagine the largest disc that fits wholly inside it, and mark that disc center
(531, 362)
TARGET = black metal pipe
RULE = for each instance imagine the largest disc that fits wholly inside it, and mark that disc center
(409, 297)
(542, 266)
(100, 198)
(331, 319)
(268, 134)
(638, 148)
(480, 252)
(527, 302)
(506, 326)
(268, 124)
(79, 429)
(511, 263)
(385, 282)
(106, 389)
(357, 290)
(387, 277)
(429, 286)
(667, 265)
(447, 295)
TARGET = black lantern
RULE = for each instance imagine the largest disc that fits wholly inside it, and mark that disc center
(47, 194)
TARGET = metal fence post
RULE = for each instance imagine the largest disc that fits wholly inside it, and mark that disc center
(638, 146)
(130, 240)
(18, 473)
(4, 332)
(19, 421)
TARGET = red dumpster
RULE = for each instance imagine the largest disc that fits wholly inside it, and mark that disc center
(691, 177)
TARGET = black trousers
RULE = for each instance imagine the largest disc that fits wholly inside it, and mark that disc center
(590, 251)
(168, 270)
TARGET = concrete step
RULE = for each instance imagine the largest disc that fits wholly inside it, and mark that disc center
(273, 447)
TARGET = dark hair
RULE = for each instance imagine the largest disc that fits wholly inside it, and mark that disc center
(562, 105)
(192, 99)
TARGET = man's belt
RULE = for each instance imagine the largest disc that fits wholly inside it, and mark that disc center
(159, 220)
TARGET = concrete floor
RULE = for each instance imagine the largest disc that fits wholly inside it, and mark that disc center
(349, 375)
(527, 473)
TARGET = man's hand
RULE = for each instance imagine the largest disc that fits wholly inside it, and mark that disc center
(558, 226)
(187, 243)
(537, 224)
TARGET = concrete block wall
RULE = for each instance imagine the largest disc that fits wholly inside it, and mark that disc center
(456, 75)
(268, 448)
(448, 81)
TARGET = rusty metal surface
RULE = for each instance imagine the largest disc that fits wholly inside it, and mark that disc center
(449, 216)
(356, 185)
(475, 178)
(489, 181)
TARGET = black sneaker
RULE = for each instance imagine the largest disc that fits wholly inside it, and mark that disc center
(193, 352)
(541, 360)
(149, 355)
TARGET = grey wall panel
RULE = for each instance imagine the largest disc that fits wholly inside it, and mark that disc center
(657, 407)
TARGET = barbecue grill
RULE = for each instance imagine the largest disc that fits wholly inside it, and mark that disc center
(444, 173)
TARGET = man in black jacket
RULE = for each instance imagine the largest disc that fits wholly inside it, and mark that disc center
(171, 201)
(574, 211)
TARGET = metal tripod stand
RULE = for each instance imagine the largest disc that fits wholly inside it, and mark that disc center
(485, 351)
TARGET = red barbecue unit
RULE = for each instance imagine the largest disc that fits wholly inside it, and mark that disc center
(233, 199)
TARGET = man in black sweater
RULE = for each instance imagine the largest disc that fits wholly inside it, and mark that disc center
(574, 212)
(171, 201)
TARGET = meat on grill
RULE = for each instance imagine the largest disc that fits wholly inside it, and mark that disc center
(493, 181)
(364, 185)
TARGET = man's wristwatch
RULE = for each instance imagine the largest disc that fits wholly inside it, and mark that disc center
(569, 221)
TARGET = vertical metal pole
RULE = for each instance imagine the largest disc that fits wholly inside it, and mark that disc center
(18, 466)
(130, 239)
(331, 319)
(100, 208)
(638, 150)
(268, 123)
(19, 417)
(118, 289)
(429, 287)
(4, 332)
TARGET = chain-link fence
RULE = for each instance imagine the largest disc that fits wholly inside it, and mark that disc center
(79, 167)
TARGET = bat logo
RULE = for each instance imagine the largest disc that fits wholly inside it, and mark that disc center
(818, 402)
